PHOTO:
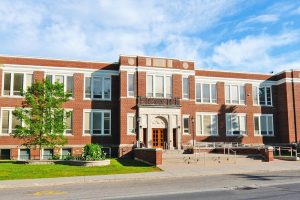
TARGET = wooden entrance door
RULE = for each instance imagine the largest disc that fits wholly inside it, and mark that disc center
(157, 138)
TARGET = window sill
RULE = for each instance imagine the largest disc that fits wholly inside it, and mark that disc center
(4, 134)
(236, 135)
(90, 99)
(202, 103)
(232, 104)
(264, 135)
(94, 135)
(131, 134)
(186, 134)
(207, 135)
(262, 105)
(17, 97)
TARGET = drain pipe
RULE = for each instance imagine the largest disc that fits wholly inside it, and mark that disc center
(294, 108)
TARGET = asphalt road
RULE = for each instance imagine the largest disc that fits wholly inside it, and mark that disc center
(269, 185)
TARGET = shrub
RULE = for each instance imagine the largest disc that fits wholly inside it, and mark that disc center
(93, 152)
(56, 157)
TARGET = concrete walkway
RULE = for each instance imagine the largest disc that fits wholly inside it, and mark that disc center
(173, 167)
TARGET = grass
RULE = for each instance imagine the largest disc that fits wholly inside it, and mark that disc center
(9, 170)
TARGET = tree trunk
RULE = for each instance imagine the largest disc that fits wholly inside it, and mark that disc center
(40, 152)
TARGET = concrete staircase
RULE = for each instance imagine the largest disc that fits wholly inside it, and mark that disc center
(177, 156)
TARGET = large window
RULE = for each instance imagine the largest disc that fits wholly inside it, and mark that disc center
(69, 124)
(131, 123)
(98, 88)
(263, 124)
(48, 154)
(186, 124)
(207, 124)
(24, 154)
(185, 88)
(15, 83)
(97, 122)
(130, 85)
(262, 96)
(159, 86)
(206, 93)
(64, 79)
(8, 121)
(66, 152)
(235, 94)
(235, 124)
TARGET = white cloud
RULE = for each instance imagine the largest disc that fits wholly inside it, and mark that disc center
(263, 19)
(253, 53)
(104, 29)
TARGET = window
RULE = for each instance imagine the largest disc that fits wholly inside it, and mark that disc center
(9, 121)
(159, 86)
(131, 122)
(15, 83)
(235, 124)
(207, 124)
(69, 124)
(47, 154)
(149, 86)
(186, 124)
(97, 122)
(185, 88)
(88, 87)
(262, 96)
(206, 93)
(130, 85)
(235, 94)
(98, 88)
(68, 81)
(263, 124)
(24, 154)
(65, 152)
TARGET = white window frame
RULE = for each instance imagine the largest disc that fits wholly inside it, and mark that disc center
(12, 82)
(61, 149)
(239, 94)
(258, 98)
(210, 93)
(19, 153)
(91, 111)
(43, 149)
(188, 92)
(10, 109)
(134, 120)
(154, 85)
(259, 124)
(231, 132)
(134, 85)
(65, 80)
(72, 130)
(201, 132)
(183, 128)
(103, 77)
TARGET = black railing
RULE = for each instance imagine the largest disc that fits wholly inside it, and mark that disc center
(150, 101)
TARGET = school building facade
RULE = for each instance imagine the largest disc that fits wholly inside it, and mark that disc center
(153, 102)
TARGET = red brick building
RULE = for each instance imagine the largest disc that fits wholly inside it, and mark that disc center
(155, 102)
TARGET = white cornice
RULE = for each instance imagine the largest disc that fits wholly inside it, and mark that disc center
(56, 69)
(210, 79)
(156, 70)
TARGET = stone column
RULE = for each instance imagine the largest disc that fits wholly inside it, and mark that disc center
(149, 132)
(170, 132)
(178, 131)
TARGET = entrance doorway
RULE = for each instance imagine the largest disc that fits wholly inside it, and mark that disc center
(158, 137)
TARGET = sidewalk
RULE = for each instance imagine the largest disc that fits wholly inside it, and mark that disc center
(171, 170)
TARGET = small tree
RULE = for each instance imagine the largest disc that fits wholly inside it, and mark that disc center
(42, 116)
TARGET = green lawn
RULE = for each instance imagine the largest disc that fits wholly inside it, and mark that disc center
(9, 170)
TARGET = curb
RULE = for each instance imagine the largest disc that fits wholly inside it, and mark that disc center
(25, 183)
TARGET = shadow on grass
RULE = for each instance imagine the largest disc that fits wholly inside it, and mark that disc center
(7, 161)
(131, 162)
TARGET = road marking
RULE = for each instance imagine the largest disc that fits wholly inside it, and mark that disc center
(49, 192)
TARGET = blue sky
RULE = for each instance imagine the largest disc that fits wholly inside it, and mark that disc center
(241, 35)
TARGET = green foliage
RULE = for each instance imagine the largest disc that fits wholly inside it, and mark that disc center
(55, 157)
(42, 115)
(93, 152)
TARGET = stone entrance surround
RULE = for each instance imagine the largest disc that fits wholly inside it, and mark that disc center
(168, 118)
